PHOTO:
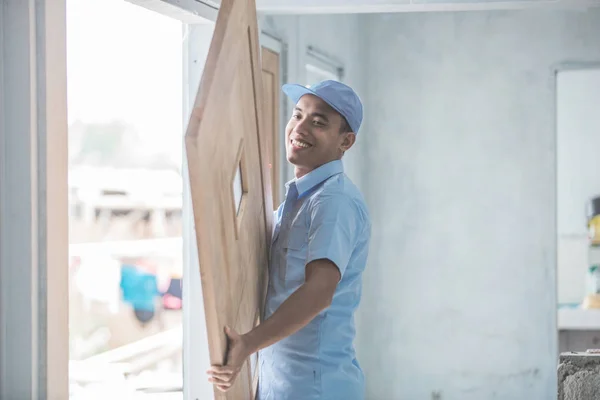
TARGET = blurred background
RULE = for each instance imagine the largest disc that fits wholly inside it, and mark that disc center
(125, 200)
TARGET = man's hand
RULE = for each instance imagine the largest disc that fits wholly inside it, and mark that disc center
(224, 376)
(316, 294)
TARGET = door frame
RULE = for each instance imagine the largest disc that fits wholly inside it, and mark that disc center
(276, 44)
(195, 351)
(33, 200)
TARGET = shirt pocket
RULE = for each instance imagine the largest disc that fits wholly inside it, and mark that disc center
(295, 254)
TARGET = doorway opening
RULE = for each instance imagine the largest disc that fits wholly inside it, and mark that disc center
(125, 102)
(578, 207)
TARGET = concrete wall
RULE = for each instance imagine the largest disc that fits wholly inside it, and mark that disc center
(460, 178)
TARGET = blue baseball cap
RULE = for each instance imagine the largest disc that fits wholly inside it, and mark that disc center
(339, 96)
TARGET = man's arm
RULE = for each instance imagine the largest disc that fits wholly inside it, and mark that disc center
(315, 295)
(332, 236)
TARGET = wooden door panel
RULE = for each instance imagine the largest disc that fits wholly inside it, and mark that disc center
(230, 184)
(271, 85)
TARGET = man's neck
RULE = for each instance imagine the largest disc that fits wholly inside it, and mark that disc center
(299, 172)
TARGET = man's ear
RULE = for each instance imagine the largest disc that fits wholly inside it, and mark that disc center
(348, 141)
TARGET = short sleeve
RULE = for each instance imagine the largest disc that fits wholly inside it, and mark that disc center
(335, 223)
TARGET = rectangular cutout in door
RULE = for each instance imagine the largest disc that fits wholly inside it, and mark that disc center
(239, 189)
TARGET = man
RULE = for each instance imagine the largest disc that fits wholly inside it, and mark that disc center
(319, 251)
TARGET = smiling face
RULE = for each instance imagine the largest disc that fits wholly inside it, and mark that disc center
(316, 134)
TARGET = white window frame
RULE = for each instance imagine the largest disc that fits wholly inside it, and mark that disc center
(186, 11)
(33, 200)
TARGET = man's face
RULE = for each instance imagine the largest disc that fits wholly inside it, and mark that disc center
(314, 135)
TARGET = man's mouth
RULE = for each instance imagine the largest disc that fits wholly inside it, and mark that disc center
(301, 143)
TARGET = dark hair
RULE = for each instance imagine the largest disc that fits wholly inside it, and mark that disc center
(345, 127)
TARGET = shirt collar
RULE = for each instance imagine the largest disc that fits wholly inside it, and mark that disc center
(317, 176)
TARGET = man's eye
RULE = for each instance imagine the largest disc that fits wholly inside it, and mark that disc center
(296, 116)
(319, 123)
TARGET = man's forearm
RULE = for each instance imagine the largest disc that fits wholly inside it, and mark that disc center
(293, 314)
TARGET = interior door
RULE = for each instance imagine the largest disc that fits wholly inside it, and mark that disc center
(271, 84)
(230, 185)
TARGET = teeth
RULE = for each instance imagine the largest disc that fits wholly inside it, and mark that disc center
(300, 144)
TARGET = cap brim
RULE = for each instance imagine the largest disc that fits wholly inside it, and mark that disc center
(294, 91)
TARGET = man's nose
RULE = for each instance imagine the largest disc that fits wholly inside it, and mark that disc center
(302, 127)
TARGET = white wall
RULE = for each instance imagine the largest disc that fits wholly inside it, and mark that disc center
(460, 292)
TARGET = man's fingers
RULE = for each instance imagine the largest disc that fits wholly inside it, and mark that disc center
(223, 388)
(220, 373)
(221, 381)
(223, 384)
(220, 370)
(222, 377)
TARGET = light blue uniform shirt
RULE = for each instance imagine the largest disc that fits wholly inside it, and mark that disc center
(323, 216)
